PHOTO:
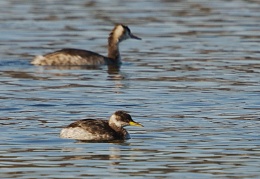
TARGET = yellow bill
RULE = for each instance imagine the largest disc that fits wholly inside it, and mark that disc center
(133, 123)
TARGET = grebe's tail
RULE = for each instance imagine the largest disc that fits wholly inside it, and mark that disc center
(38, 60)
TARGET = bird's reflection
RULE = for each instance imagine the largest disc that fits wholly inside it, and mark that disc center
(112, 154)
(113, 69)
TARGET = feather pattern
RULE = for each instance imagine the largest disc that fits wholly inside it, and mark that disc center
(100, 130)
(75, 57)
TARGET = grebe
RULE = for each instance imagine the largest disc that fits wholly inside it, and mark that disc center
(100, 130)
(69, 56)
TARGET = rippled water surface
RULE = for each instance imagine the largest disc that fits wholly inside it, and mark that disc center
(193, 82)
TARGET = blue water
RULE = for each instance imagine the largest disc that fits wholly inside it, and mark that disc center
(193, 82)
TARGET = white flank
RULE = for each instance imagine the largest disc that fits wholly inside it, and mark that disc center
(77, 133)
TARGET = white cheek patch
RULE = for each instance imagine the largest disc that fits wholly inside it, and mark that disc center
(118, 31)
(115, 121)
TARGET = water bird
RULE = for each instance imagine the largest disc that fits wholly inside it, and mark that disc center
(71, 57)
(100, 130)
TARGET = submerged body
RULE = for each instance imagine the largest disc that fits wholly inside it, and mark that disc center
(100, 130)
(69, 56)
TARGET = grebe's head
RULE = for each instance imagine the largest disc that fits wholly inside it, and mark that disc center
(122, 32)
(121, 119)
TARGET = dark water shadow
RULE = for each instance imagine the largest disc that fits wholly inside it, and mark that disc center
(103, 141)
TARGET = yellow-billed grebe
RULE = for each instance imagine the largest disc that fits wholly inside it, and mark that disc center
(69, 56)
(100, 130)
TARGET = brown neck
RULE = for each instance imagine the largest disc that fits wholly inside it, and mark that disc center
(113, 48)
(120, 130)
